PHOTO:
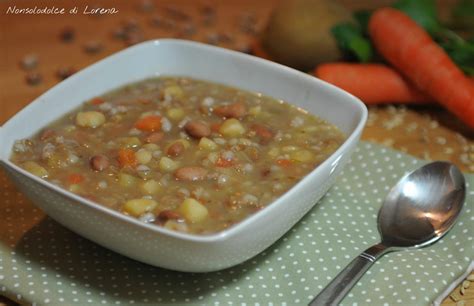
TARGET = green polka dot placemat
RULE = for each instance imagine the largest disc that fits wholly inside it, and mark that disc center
(49, 264)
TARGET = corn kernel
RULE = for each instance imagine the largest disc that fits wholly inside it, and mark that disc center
(90, 119)
(193, 211)
(150, 187)
(35, 169)
(167, 164)
(137, 207)
(232, 128)
(175, 113)
(207, 144)
(303, 156)
(143, 156)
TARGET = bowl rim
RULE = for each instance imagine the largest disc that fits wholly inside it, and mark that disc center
(201, 238)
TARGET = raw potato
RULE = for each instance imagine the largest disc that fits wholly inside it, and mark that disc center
(137, 207)
(298, 33)
(193, 211)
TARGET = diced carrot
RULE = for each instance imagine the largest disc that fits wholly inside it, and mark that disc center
(224, 163)
(75, 178)
(97, 101)
(151, 123)
(215, 127)
(284, 162)
(126, 157)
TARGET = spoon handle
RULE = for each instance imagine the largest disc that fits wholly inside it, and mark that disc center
(337, 289)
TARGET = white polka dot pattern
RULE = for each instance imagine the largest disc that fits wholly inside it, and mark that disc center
(52, 265)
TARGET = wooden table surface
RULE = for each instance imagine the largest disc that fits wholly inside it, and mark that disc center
(427, 132)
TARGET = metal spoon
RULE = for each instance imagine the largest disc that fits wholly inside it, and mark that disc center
(418, 211)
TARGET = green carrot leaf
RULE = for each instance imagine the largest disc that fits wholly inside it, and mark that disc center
(463, 15)
(362, 17)
(422, 11)
(352, 42)
(460, 50)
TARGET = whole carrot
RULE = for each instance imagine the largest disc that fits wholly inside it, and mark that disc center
(372, 83)
(410, 49)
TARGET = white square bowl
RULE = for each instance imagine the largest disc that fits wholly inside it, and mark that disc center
(153, 244)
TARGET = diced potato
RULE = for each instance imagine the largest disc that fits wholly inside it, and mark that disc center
(116, 118)
(76, 188)
(137, 207)
(193, 211)
(151, 147)
(176, 226)
(127, 180)
(143, 156)
(69, 128)
(35, 169)
(254, 111)
(185, 143)
(150, 187)
(207, 144)
(174, 91)
(273, 152)
(303, 156)
(213, 157)
(57, 160)
(287, 149)
(90, 119)
(129, 142)
(309, 129)
(232, 128)
(167, 164)
(176, 113)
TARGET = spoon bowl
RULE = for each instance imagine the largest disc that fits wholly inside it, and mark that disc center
(423, 206)
(417, 212)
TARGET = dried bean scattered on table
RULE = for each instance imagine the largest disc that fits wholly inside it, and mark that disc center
(33, 78)
(29, 61)
(93, 46)
(67, 34)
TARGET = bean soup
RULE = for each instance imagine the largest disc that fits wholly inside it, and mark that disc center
(189, 155)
